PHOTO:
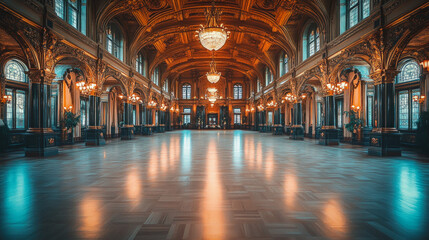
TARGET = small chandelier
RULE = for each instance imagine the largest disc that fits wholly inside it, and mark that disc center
(337, 88)
(163, 107)
(84, 88)
(212, 36)
(212, 95)
(132, 99)
(272, 104)
(213, 76)
(152, 103)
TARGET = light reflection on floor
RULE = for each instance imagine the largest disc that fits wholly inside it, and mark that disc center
(214, 185)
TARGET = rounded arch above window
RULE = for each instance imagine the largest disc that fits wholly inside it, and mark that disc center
(115, 40)
(15, 71)
(409, 71)
(310, 40)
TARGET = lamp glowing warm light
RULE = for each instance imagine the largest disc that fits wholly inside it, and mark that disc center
(212, 36)
(213, 76)
(86, 89)
(6, 99)
(419, 99)
(425, 64)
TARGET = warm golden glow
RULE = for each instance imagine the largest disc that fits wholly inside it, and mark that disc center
(335, 218)
(90, 217)
(134, 186)
(291, 190)
(86, 89)
(212, 209)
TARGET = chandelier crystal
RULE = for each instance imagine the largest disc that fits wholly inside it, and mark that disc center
(212, 36)
(213, 76)
(212, 95)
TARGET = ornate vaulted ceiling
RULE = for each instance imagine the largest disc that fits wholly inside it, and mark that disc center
(259, 30)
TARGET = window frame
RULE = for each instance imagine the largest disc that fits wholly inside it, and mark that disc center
(239, 88)
(360, 6)
(316, 47)
(237, 116)
(66, 6)
(188, 88)
(115, 40)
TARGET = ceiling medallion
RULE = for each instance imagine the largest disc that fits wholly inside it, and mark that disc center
(212, 36)
(213, 76)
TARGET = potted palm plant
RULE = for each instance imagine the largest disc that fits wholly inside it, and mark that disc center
(70, 121)
(354, 125)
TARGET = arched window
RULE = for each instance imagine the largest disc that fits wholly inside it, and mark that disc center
(238, 91)
(72, 11)
(15, 71)
(406, 88)
(155, 76)
(17, 87)
(284, 64)
(410, 71)
(141, 64)
(268, 76)
(114, 41)
(313, 40)
(186, 91)
(352, 12)
(258, 85)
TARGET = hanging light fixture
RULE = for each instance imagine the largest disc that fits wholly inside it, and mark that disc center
(212, 36)
(213, 76)
(86, 89)
(212, 95)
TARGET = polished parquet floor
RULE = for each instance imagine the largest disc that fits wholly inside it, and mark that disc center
(213, 185)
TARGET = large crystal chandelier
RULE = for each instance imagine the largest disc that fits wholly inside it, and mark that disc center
(213, 76)
(212, 36)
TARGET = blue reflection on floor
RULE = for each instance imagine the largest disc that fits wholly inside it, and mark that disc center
(186, 152)
(17, 202)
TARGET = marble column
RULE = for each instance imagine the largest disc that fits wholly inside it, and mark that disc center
(94, 133)
(40, 139)
(127, 130)
(329, 131)
(297, 130)
(278, 128)
(385, 139)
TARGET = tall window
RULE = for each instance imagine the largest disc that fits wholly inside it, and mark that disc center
(186, 116)
(72, 11)
(186, 91)
(407, 86)
(354, 11)
(339, 113)
(319, 114)
(155, 76)
(284, 64)
(270, 118)
(311, 40)
(17, 87)
(84, 112)
(237, 116)
(114, 41)
(370, 102)
(268, 76)
(141, 64)
(238, 91)
(259, 85)
(165, 87)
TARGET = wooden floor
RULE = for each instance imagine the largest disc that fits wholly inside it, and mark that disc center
(213, 185)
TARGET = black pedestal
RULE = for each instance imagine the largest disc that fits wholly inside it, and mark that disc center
(94, 137)
(329, 137)
(127, 133)
(146, 130)
(40, 144)
(385, 144)
(297, 132)
(262, 129)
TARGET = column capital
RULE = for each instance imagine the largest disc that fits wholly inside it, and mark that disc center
(384, 76)
(41, 76)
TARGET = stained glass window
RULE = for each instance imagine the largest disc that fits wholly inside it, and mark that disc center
(186, 115)
(186, 91)
(339, 113)
(403, 109)
(319, 114)
(415, 109)
(9, 111)
(59, 8)
(286, 64)
(410, 71)
(238, 91)
(20, 109)
(83, 112)
(15, 71)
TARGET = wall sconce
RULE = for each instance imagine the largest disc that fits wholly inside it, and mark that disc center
(68, 109)
(419, 99)
(6, 99)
